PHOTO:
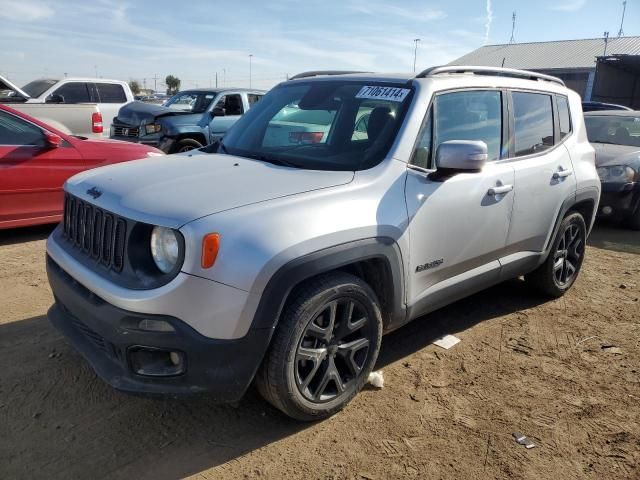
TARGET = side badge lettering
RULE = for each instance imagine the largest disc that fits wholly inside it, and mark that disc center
(427, 266)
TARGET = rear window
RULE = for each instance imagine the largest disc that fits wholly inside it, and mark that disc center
(111, 93)
(533, 122)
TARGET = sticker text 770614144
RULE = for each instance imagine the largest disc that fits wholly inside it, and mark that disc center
(394, 94)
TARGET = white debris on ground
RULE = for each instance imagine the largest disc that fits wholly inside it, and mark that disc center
(447, 342)
(376, 379)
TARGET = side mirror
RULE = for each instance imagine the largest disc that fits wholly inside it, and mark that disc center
(218, 112)
(52, 140)
(55, 98)
(463, 155)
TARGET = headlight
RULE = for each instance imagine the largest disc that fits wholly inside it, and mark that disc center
(617, 173)
(164, 248)
(153, 128)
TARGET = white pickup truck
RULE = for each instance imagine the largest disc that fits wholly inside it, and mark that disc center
(75, 105)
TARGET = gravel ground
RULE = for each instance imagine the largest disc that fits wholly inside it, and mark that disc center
(545, 369)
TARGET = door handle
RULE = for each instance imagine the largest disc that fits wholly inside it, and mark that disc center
(499, 190)
(562, 173)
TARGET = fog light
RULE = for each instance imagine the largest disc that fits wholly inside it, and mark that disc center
(152, 325)
(607, 210)
(156, 363)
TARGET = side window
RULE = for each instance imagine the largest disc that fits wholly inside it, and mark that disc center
(232, 104)
(563, 114)
(74, 92)
(253, 99)
(422, 157)
(470, 115)
(111, 93)
(533, 122)
(15, 131)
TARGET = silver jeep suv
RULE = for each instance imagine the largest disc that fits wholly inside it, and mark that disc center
(340, 207)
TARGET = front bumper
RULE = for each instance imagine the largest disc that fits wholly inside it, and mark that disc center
(619, 200)
(106, 335)
(156, 140)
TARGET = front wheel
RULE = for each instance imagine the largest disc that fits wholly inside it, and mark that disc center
(560, 270)
(324, 347)
(634, 220)
(185, 145)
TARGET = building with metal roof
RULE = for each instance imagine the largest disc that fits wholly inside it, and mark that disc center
(599, 69)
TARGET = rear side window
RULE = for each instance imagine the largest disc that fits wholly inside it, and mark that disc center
(74, 92)
(563, 115)
(111, 93)
(533, 123)
(253, 99)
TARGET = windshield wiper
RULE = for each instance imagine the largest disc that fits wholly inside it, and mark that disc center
(269, 159)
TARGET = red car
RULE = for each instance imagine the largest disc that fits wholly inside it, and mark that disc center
(36, 160)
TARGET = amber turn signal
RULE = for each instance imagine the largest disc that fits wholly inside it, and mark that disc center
(210, 246)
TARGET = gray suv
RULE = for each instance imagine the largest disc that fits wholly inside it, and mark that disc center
(340, 207)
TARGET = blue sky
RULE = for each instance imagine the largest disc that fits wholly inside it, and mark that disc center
(196, 39)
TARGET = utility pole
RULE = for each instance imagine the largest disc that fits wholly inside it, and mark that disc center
(216, 79)
(144, 83)
(624, 8)
(250, 57)
(513, 28)
(95, 67)
(606, 39)
(224, 77)
(155, 82)
(415, 52)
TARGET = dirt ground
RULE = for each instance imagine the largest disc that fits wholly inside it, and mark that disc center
(526, 365)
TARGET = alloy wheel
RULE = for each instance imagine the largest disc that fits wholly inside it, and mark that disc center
(568, 255)
(333, 350)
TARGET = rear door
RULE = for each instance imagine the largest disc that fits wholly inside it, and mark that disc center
(458, 225)
(111, 96)
(31, 173)
(544, 176)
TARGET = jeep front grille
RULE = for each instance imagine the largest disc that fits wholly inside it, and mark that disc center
(95, 232)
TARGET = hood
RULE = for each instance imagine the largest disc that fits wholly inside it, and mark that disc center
(7, 85)
(608, 154)
(177, 189)
(139, 113)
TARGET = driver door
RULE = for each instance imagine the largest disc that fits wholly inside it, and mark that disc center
(458, 225)
(233, 107)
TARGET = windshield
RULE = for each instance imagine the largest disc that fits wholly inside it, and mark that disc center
(193, 102)
(38, 87)
(328, 125)
(615, 129)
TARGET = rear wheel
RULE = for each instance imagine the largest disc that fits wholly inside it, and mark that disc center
(560, 270)
(185, 145)
(324, 347)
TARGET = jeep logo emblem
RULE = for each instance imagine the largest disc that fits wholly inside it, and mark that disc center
(94, 192)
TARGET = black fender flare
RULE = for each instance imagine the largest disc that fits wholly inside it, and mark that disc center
(283, 281)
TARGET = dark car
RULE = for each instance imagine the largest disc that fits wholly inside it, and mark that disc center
(596, 106)
(190, 119)
(615, 135)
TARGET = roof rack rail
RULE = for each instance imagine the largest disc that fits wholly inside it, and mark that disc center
(496, 71)
(316, 73)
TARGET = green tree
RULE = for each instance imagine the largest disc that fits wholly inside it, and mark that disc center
(173, 84)
(134, 86)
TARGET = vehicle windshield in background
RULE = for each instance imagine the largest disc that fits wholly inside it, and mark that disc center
(332, 125)
(615, 129)
(193, 102)
(38, 87)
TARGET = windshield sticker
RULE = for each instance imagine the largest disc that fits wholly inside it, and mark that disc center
(383, 93)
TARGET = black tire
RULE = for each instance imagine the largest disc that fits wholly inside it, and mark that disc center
(185, 145)
(561, 268)
(633, 222)
(298, 374)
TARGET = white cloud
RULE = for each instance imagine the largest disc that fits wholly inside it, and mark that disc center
(24, 11)
(569, 6)
(488, 21)
(373, 7)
